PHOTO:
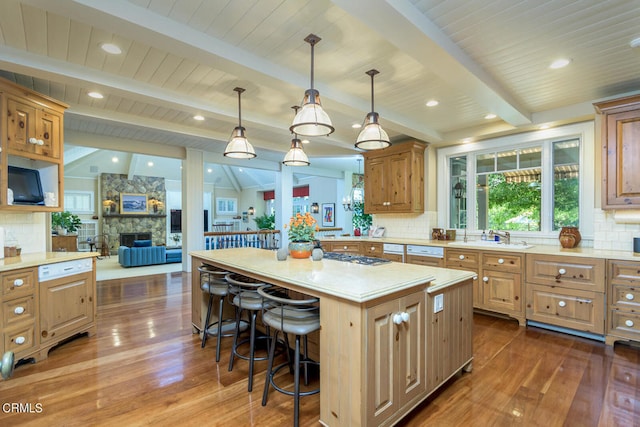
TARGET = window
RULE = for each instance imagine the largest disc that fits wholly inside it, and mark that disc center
(226, 206)
(528, 183)
(79, 202)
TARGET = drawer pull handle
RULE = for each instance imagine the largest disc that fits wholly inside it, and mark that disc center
(373, 248)
(562, 303)
(629, 297)
(500, 261)
(18, 282)
(344, 247)
(461, 257)
(629, 323)
(20, 340)
(585, 301)
(485, 279)
(18, 310)
(475, 277)
(33, 141)
(562, 271)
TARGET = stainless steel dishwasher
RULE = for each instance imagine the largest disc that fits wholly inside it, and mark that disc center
(432, 256)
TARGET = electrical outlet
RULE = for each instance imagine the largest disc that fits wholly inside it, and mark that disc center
(438, 303)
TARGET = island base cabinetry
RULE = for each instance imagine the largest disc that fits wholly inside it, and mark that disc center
(623, 290)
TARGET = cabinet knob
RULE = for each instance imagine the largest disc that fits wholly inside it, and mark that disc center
(562, 303)
(629, 323)
(373, 248)
(20, 340)
(461, 257)
(18, 282)
(18, 310)
(629, 297)
(33, 141)
(397, 319)
(344, 247)
(562, 271)
(500, 261)
(40, 142)
(405, 316)
(485, 279)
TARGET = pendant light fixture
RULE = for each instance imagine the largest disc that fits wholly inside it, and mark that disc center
(372, 136)
(296, 155)
(312, 120)
(238, 146)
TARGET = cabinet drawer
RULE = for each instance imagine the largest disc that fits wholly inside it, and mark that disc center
(502, 261)
(425, 260)
(18, 282)
(19, 339)
(625, 324)
(581, 310)
(18, 310)
(625, 272)
(345, 247)
(462, 259)
(567, 272)
(625, 296)
(372, 249)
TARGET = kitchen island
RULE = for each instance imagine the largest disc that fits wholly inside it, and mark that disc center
(375, 365)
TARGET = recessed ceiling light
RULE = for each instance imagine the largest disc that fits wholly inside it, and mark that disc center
(305, 141)
(114, 159)
(467, 140)
(545, 126)
(356, 126)
(635, 42)
(559, 63)
(111, 48)
(490, 116)
(149, 164)
(432, 103)
(209, 170)
(198, 118)
(96, 95)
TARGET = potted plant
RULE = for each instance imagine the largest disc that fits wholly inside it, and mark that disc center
(266, 222)
(301, 232)
(65, 222)
(361, 221)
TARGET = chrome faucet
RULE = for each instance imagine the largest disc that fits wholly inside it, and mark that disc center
(506, 235)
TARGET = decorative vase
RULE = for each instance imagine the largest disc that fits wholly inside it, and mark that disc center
(569, 237)
(300, 249)
(317, 254)
(356, 232)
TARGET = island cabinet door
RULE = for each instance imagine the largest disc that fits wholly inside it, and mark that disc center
(395, 356)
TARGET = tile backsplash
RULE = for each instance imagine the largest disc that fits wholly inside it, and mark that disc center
(27, 229)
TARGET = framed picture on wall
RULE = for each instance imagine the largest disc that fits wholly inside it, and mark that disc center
(328, 214)
(133, 204)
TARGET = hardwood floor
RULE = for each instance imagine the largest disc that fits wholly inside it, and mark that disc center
(145, 367)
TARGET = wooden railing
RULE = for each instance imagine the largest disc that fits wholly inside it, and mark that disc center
(263, 239)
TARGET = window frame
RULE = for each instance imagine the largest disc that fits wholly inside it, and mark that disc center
(584, 132)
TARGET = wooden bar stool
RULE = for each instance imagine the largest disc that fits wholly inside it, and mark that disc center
(246, 298)
(214, 283)
(298, 317)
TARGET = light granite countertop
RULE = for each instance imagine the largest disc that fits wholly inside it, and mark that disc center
(41, 258)
(353, 282)
(534, 249)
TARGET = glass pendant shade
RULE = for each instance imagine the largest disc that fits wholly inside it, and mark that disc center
(312, 120)
(239, 146)
(296, 155)
(372, 136)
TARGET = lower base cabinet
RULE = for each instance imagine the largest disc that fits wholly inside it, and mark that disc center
(623, 296)
(395, 349)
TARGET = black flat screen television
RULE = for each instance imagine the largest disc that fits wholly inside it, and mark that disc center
(26, 186)
(176, 220)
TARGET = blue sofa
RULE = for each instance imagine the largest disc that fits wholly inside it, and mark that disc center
(142, 253)
(174, 255)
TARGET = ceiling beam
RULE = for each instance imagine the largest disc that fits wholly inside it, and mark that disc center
(232, 178)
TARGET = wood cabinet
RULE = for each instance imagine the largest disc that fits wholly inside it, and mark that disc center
(394, 179)
(469, 260)
(425, 260)
(502, 287)
(395, 355)
(620, 121)
(64, 243)
(67, 307)
(566, 291)
(623, 296)
(347, 247)
(19, 314)
(31, 126)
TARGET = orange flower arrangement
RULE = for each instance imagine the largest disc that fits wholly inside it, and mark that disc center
(302, 227)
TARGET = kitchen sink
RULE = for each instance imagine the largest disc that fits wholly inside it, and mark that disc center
(490, 244)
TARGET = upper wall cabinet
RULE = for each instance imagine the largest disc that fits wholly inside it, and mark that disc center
(32, 138)
(620, 152)
(394, 179)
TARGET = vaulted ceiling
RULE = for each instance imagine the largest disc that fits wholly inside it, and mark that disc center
(183, 58)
